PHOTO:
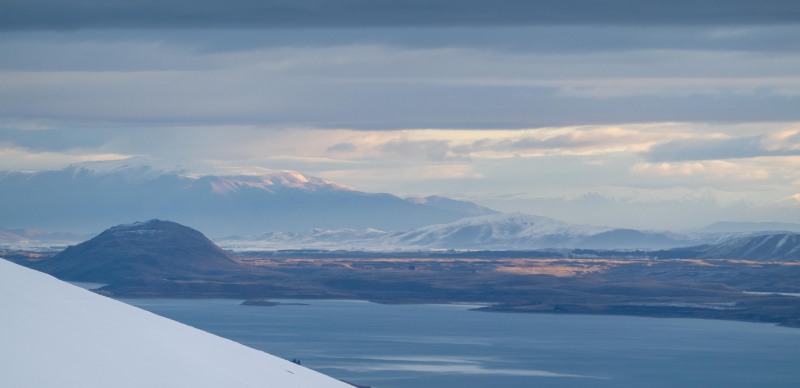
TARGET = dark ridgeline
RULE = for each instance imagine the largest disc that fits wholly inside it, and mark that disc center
(763, 247)
(153, 249)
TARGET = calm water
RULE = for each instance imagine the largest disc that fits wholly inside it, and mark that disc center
(443, 346)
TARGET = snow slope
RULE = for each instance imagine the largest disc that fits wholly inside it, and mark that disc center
(53, 334)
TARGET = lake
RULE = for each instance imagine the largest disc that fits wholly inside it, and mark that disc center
(449, 346)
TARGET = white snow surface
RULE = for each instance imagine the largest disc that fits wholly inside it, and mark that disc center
(54, 334)
(268, 181)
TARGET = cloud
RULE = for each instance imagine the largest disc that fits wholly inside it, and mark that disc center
(715, 149)
(54, 14)
(591, 140)
(155, 49)
(679, 86)
(17, 159)
(48, 139)
(342, 148)
(465, 145)
(313, 148)
(408, 173)
(127, 83)
(796, 197)
(565, 141)
(437, 150)
(556, 142)
(782, 141)
(708, 169)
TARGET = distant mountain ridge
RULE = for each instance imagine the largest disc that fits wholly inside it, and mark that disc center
(494, 232)
(34, 238)
(82, 200)
(454, 205)
(291, 210)
(750, 227)
(500, 231)
(761, 247)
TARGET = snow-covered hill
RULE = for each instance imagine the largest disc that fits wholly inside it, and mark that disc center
(53, 334)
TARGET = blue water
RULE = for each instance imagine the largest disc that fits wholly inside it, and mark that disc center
(446, 346)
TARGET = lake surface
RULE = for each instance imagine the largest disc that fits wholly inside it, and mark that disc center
(448, 346)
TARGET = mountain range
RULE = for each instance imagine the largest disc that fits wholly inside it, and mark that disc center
(81, 199)
(291, 210)
(494, 232)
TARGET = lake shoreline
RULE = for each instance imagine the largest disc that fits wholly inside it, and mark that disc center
(633, 310)
(664, 314)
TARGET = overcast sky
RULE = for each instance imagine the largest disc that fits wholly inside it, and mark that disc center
(657, 114)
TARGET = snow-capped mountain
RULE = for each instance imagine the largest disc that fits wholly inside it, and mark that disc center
(269, 182)
(498, 231)
(521, 231)
(85, 200)
(54, 334)
(494, 232)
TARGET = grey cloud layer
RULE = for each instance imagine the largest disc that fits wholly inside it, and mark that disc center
(54, 140)
(385, 87)
(535, 38)
(57, 14)
(716, 149)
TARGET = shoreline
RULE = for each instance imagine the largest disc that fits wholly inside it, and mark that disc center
(792, 325)
(664, 313)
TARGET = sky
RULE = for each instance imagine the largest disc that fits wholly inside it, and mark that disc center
(633, 113)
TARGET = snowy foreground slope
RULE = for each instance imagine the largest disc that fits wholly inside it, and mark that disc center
(53, 334)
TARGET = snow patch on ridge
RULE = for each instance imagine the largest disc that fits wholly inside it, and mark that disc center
(225, 185)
